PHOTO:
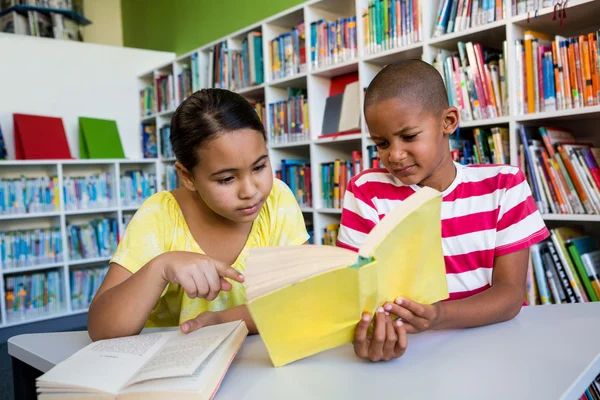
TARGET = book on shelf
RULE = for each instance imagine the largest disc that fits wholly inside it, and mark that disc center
(29, 195)
(149, 140)
(342, 106)
(147, 101)
(261, 110)
(564, 174)
(310, 229)
(288, 53)
(126, 220)
(319, 288)
(218, 66)
(136, 187)
(475, 80)
(374, 160)
(519, 7)
(165, 91)
(85, 282)
(289, 118)
(333, 42)
(87, 192)
(97, 238)
(99, 138)
(335, 177)
(171, 178)
(558, 73)
(297, 175)
(3, 151)
(564, 269)
(166, 150)
(26, 248)
(247, 63)
(330, 234)
(188, 79)
(33, 295)
(482, 146)
(167, 364)
(460, 15)
(389, 24)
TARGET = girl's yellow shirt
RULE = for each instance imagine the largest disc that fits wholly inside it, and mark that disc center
(159, 226)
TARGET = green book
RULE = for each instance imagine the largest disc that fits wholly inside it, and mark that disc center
(583, 275)
(99, 138)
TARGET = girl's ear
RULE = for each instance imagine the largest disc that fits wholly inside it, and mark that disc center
(185, 177)
(450, 120)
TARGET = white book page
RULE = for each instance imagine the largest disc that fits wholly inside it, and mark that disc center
(107, 365)
(184, 353)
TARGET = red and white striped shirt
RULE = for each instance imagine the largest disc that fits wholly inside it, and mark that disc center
(488, 211)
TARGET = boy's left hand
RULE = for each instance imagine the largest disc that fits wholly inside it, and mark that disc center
(416, 317)
(206, 318)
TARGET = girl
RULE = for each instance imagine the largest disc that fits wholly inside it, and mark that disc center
(169, 267)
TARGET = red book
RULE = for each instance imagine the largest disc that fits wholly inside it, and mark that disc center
(40, 138)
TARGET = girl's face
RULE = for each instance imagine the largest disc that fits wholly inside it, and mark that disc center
(234, 176)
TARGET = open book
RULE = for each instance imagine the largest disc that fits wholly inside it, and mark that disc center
(161, 365)
(306, 299)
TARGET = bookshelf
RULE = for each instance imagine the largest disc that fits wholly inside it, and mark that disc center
(316, 79)
(60, 218)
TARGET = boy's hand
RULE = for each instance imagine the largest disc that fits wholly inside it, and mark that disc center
(199, 275)
(388, 341)
(206, 318)
(416, 317)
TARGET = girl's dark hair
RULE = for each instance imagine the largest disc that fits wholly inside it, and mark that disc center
(205, 115)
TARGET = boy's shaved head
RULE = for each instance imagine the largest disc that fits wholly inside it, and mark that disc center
(414, 81)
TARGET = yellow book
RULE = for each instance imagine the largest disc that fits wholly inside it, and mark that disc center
(307, 299)
(531, 67)
(336, 184)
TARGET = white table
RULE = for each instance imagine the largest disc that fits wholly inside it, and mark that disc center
(546, 352)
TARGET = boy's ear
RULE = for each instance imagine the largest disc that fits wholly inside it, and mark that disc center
(185, 177)
(450, 120)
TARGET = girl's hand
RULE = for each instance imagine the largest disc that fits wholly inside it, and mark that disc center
(388, 341)
(199, 275)
(416, 317)
(206, 318)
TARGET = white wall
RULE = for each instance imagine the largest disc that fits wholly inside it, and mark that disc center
(106, 27)
(72, 79)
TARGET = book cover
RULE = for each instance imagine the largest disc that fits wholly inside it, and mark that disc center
(99, 138)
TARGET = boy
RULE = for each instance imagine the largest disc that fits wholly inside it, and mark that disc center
(489, 219)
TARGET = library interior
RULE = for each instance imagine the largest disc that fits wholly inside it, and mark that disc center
(106, 172)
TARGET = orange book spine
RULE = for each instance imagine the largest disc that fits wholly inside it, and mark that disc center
(587, 73)
(593, 48)
(529, 76)
(553, 183)
(485, 80)
(564, 62)
(573, 74)
(574, 177)
(579, 66)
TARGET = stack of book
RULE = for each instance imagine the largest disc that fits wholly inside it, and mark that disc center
(296, 174)
(483, 146)
(136, 187)
(333, 42)
(476, 80)
(98, 238)
(335, 177)
(188, 79)
(374, 160)
(29, 195)
(247, 63)
(32, 295)
(459, 15)
(288, 53)
(25, 248)
(84, 285)
(390, 24)
(289, 118)
(92, 191)
(165, 91)
(559, 74)
(563, 174)
(564, 269)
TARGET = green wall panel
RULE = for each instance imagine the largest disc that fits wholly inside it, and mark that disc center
(183, 25)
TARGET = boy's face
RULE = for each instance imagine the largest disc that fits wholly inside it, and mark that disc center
(412, 142)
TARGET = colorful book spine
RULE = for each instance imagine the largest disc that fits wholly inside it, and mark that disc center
(86, 192)
(297, 175)
(25, 248)
(84, 285)
(333, 42)
(335, 177)
(330, 234)
(246, 63)
(166, 150)
(165, 91)
(147, 101)
(136, 187)
(289, 118)
(390, 24)
(33, 295)
(170, 178)
(98, 238)
(459, 15)
(288, 53)
(149, 140)
(29, 195)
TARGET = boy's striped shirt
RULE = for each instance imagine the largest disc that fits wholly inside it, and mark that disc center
(487, 211)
